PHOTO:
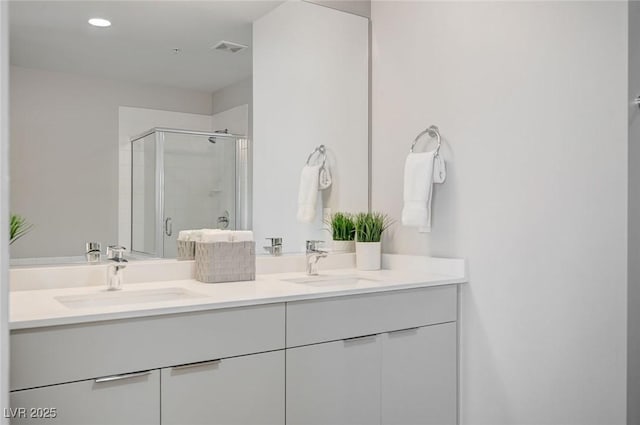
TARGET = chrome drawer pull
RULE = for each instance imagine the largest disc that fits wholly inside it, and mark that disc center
(363, 338)
(197, 364)
(121, 377)
(404, 331)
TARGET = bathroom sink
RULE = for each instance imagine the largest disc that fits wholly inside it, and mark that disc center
(118, 298)
(329, 280)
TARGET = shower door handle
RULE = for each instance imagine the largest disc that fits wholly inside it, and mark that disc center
(168, 226)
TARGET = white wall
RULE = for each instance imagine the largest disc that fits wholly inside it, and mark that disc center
(4, 209)
(531, 98)
(633, 375)
(358, 7)
(235, 119)
(310, 87)
(132, 122)
(64, 154)
(231, 96)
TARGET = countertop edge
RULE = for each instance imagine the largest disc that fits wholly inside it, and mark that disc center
(164, 311)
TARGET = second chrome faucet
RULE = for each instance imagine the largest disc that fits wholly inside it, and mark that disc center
(115, 254)
(314, 254)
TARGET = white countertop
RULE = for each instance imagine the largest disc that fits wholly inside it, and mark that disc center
(40, 308)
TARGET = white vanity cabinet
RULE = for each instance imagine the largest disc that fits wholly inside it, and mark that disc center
(385, 357)
(56, 367)
(245, 390)
(334, 383)
(118, 400)
(395, 362)
(419, 376)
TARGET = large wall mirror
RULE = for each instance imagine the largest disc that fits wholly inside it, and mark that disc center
(180, 114)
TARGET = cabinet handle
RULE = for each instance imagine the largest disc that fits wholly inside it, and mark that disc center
(404, 331)
(197, 364)
(121, 377)
(364, 338)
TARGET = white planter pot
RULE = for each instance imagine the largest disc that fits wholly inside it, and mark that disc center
(343, 246)
(368, 255)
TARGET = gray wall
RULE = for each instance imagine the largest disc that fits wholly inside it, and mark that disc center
(64, 154)
(633, 377)
(531, 98)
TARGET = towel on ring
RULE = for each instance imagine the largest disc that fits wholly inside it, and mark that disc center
(418, 190)
(308, 193)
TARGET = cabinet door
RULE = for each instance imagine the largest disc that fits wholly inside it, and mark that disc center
(334, 383)
(419, 376)
(239, 390)
(122, 400)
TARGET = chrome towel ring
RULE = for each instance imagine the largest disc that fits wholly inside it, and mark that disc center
(432, 131)
(322, 154)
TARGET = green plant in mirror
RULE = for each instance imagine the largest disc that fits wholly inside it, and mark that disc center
(343, 227)
(18, 227)
(370, 226)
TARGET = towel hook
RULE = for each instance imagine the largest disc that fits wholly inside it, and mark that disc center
(432, 131)
(321, 151)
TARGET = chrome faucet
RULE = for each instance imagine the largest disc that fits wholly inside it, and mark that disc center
(115, 253)
(92, 252)
(275, 248)
(313, 256)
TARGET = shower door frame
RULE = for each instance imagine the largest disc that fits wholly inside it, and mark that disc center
(243, 182)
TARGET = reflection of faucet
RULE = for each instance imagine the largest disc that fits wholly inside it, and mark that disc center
(275, 248)
(313, 256)
(115, 253)
(92, 252)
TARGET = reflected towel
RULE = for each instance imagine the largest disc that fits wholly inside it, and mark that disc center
(308, 193)
(242, 236)
(215, 235)
(185, 235)
(418, 188)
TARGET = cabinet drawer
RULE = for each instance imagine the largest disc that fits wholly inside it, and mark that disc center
(334, 383)
(310, 322)
(58, 354)
(245, 390)
(131, 399)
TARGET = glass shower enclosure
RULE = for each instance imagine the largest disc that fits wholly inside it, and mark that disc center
(182, 179)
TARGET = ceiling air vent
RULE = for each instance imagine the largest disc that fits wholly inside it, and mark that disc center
(228, 46)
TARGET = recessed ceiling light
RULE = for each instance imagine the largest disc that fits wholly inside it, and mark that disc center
(99, 22)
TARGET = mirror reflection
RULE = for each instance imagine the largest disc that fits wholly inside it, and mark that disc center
(112, 123)
(79, 93)
(186, 180)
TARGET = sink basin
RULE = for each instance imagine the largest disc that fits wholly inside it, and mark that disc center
(118, 298)
(329, 280)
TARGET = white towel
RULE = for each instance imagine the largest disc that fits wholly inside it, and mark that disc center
(324, 177)
(242, 236)
(215, 235)
(439, 169)
(184, 235)
(195, 235)
(308, 193)
(418, 184)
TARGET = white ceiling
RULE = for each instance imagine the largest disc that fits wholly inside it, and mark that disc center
(55, 35)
